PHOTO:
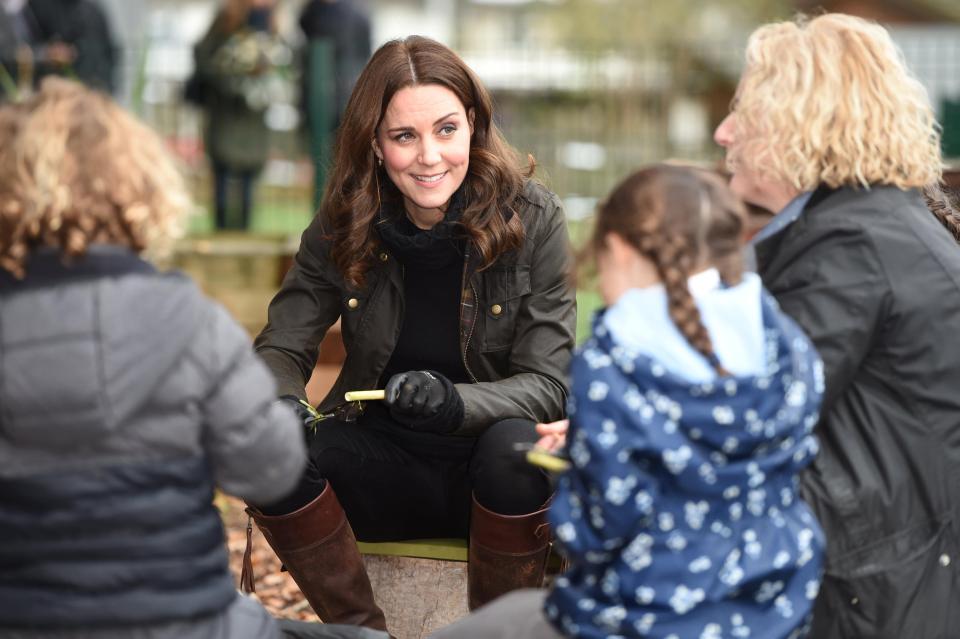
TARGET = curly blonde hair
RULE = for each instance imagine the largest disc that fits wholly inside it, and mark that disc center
(829, 100)
(76, 169)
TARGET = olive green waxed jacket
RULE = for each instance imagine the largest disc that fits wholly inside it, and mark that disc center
(517, 322)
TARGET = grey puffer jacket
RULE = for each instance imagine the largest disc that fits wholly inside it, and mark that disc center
(125, 397)
(517, 321)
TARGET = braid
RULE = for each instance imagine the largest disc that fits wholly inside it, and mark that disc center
(680, 219)
(938, 201)
(674, 260)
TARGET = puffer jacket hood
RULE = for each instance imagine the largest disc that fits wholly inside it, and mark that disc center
(113, 337)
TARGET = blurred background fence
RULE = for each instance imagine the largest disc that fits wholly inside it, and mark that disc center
(591, 88)
(587, 118)
(589, 107)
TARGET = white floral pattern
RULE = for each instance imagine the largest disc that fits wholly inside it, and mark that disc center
(679, 490)
(685, 599)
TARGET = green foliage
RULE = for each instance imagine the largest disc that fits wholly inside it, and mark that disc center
(275, 212)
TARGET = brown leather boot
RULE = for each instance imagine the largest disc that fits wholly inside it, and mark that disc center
(317, 546)
(506, 552)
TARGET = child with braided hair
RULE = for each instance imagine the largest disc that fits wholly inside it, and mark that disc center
(691, 415)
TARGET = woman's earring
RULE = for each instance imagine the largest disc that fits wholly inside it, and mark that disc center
(379, 161)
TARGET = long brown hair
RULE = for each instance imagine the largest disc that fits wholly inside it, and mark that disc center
(76, 169)
(351, 200)
(679, 218)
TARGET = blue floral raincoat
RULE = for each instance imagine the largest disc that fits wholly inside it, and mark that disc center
(680, 516)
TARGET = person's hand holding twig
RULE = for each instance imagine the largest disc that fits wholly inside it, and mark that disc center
(553, 435)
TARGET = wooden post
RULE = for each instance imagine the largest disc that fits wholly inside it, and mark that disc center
(418, 596)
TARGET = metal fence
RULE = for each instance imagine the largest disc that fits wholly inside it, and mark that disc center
(587, 117)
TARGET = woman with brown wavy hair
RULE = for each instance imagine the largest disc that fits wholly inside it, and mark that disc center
(446, 265)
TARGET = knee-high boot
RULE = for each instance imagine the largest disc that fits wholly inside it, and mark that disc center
(317, 546)
(506, 552)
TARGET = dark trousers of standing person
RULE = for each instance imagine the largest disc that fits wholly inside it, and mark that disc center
(382, 481)
(223, 178)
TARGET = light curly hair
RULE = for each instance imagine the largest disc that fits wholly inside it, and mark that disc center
(76, 169)
(829, 100)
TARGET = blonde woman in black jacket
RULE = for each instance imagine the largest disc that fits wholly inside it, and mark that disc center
(829, 128)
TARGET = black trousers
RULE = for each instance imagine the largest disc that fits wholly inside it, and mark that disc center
(394, 483)
(223, 179)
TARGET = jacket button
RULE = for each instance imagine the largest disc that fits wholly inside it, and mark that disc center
(384, 257)
(944, 560)
(855, 601)
(353, 302)
(496, 309)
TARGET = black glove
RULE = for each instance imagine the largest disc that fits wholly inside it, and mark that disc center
(305, 412)
(425, 401)
(301, 408)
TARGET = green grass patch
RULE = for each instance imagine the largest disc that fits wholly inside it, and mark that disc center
(282, 217)
(587, 303)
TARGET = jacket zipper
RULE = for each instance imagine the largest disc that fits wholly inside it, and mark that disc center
(473, 325)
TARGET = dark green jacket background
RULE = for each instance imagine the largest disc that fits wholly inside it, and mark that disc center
(517, 357)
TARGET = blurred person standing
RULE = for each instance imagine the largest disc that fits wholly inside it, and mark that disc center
(829, 128)
(236, 66)
(9, 49)
(74, 39)
(16, 36)
(24, 55)
(20, 21)
(338, 45)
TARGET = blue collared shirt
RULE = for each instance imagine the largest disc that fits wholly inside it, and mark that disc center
(784, 218)
(787, 216)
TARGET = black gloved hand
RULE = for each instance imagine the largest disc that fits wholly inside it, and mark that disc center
(301, 408)
(305, 412)
(425, 401)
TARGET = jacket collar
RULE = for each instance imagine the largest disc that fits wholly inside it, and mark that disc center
(47, 267)
(767, 247)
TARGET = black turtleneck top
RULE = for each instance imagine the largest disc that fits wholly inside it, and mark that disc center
(432, 263)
